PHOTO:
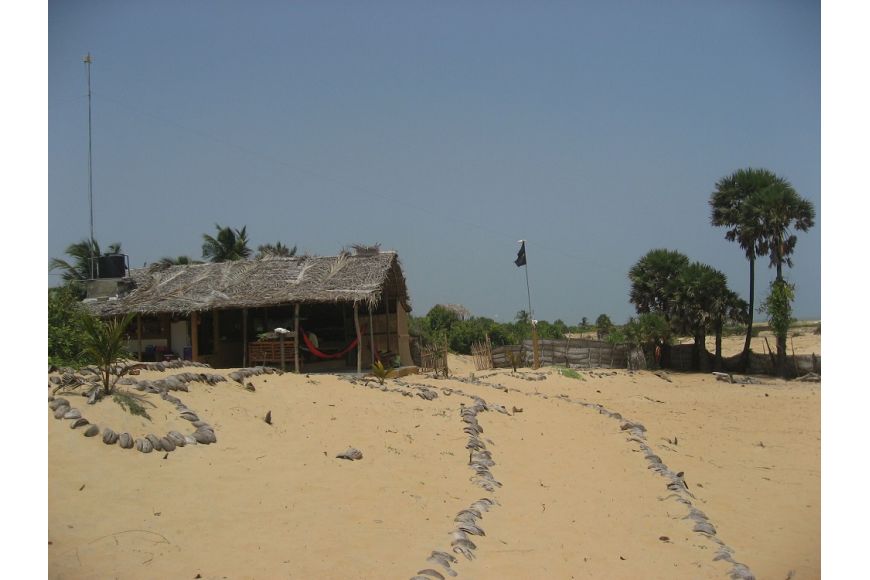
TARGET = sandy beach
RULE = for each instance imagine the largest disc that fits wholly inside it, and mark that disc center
(577, 497)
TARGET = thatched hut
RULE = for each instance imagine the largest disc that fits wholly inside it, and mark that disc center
(341, 311)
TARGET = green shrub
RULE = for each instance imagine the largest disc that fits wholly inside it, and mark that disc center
(66, 336)
(571, 374)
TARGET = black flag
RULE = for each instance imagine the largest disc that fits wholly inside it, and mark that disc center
(521, 256)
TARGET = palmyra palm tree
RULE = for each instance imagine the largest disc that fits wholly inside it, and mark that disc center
(778, 209)
(230, 244)
(728, 205)
(652, 279)
(759, 208)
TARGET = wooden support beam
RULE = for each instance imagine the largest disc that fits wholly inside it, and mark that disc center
(194, 336)
(216, 338)
(297, 338)
(371, 334)
(358, 337)
(387, 304)
(244, 337)
(139, 335)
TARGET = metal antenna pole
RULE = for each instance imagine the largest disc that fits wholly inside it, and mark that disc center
(88, 60)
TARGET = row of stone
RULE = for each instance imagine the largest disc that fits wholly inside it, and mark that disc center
(240, 375)
(480, 460)
(177, 382)
(204, 433)
(466, 520)
(676, 484)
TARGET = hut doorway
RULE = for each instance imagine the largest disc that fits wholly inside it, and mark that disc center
(179, 336)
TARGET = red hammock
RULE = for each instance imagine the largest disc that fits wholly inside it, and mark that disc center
(313, 349)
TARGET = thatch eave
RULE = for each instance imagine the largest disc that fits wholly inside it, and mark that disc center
(183, 289)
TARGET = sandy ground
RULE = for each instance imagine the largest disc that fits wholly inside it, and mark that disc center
(577, 499)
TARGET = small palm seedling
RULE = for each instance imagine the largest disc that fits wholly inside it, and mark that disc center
(104, 345)
(515, 358)
(380, 372)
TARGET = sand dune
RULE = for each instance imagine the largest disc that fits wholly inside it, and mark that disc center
(577, 499)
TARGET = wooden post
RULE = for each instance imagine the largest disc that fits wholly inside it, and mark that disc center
(139, 334)
(371, 334)
(244, 337)
(358, 337)
(389, 337)
(194, 336)
(215, 337)
(281, 346)
(296, 341)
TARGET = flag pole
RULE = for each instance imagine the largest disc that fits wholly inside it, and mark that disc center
(536, 361)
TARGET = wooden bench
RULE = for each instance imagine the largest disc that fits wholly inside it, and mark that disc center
(269, 351)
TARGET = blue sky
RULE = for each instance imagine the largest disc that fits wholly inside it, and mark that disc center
(446, 131)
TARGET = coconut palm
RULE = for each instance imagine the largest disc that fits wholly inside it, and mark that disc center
(168, 261)
(277, 250)
(80, 268)
(729, 209)
(230, 244)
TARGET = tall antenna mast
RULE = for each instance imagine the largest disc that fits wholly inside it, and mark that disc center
(88, 60)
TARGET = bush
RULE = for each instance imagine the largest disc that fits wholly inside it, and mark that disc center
(66, 337)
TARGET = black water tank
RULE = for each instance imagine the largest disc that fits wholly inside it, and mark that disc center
(112, 266)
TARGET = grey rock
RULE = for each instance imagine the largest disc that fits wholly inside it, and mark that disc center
(109, 436)
(144, 446)
(351, 453)
(80, 422)
(58, 402)
(61, 411)
(73, 414)
(176, 438)
(92, 430)
(705, 528)
(155, 442)
(125, 441)
(204, 437)
(166, 444)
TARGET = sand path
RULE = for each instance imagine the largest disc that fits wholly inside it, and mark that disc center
(577, 499)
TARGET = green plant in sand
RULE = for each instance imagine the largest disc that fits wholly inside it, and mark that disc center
(380, 372)
(132, 403)
(104, 345)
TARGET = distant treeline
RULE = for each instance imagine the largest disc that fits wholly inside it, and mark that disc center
(450, 327)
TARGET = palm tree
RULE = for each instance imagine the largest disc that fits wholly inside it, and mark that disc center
(694, 305)
(652, 279)
(729, 209)
(229, 245)
(652, 286)
(81, 252)
(726, 305)
(167, 261)
(777, 210)
(277, 250)
(104, 345)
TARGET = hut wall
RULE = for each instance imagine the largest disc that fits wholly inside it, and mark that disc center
(396, 341)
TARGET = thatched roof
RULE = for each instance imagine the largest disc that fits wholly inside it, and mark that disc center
(257, 283)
